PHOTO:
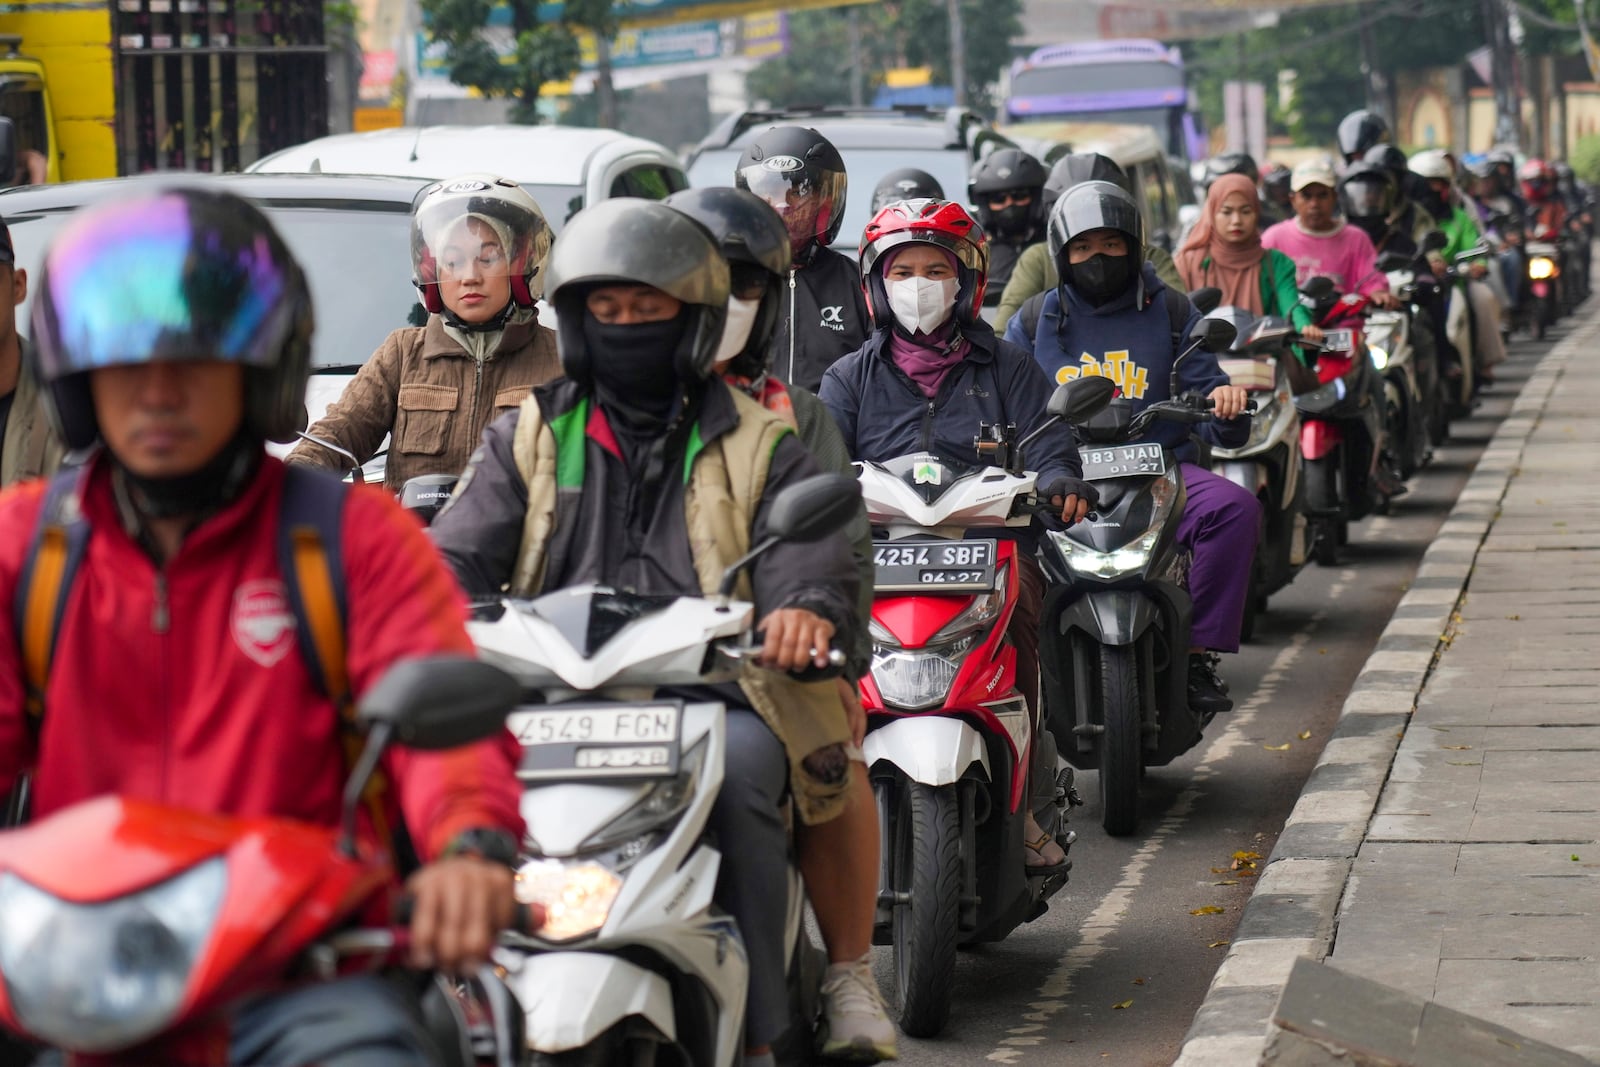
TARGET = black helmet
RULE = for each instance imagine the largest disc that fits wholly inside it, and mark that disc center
(790, 163)
(172, 274)
(1231, 163)
(907, 183)
(1368, 195)
(1276, 180)
(1075, 168)
(1389, 157)
(632, 241)
(1359, 131)
(755, 244)
(1008, 170)
(1094, 206)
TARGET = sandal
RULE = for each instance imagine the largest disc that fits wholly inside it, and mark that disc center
(1037, 848)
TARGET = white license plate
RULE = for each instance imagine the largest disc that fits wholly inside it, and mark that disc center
(598, 740)
(1339, 340)
(1122, 461)
(948, 566)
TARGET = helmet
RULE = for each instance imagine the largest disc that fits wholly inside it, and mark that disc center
(1275, 180)
(632, 241)
(1388, 157)
(1078, 167)
(1002, 170)
(1368, 194)
(907, 183)
(790, 163)
(172, 274)
(1538, 179)
(499, 203)
(1434, 165)
(751, 235)
(1359, 131)
(1094, 206)
(1231, 163)
(934, 222)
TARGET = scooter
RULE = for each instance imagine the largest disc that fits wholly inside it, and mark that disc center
(635, 963)
(1268, 464)
(1410, 383)
(1544, 286)
(1115, 635)
(139, 956)
(949, 741)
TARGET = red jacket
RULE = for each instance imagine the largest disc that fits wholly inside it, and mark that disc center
(216, 711)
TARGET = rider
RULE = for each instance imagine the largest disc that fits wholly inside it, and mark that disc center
(1320, 244)
(183, 366)
(1035, 272)
(478, 246)
(1110, 316)
(801, 174)
(932, 371)
(838, 856)
(641, 471)
(906, 183)
(1410, 215)
(1275, 203)
(1457, 222)
(1547, 215)
(1007, 189)
(29, 446)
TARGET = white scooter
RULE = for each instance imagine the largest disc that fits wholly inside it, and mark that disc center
(635, 963)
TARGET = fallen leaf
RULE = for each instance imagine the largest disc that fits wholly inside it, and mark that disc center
(1225, 883)
(1247, 874)
(1124, 1004)
(1217, 944)
(1277, 748)
(1222, 870)
(1458, 748)
(1305, 735)
(1246, 856)
(1462, 763)
(1138, 981)
(1574, 857)
(1514, 618)
(1209, 909)
(1322, 652)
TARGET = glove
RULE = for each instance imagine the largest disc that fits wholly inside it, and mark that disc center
(1065, 486)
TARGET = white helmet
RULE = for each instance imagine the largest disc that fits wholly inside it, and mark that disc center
(1433, 164)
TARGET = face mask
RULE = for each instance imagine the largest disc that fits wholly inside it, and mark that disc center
(921, 303)
(633, 364)
(1013, 221)
(736, 331)
(1100, 279)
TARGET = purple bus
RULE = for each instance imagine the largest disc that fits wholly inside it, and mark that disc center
(1127, 82)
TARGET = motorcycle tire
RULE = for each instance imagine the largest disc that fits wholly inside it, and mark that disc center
(614, 1048)
(1121, 745)
(925, 930)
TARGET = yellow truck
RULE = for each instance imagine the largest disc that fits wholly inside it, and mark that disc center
(100, 88)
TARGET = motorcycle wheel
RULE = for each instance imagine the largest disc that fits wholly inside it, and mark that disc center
(928, 872)
(1321, 481)
(613, 1048)
(1121, 746)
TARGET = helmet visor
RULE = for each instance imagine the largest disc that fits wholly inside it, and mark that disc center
(141, 281)
(468, 246)
(1365, 199)
(808, 201)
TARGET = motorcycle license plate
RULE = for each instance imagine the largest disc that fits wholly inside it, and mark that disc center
(1339, 340)
(572, 741)
(1121, 461)
(948, 566)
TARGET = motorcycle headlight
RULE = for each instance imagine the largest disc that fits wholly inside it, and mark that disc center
(1379, 356)
(577, 896)
(99, 977)
(1541, 268)
(1261, 424)
(916, 679)
(1130, 557)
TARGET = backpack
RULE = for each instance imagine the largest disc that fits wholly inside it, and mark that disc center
(309, 541)
(1178, 310)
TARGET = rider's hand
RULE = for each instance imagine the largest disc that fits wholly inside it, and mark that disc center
(1478, 270)
(854, 713)
(1228, 401)
(796, 639)
(1386, 300)
(461, 903)
(1073, 507)
(1313, 334)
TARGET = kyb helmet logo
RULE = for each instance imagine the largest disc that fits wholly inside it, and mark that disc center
(783, 164)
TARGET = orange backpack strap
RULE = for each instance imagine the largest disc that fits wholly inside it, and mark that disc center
(59, 542)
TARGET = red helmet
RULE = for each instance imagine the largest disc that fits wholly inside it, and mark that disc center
(936, 222)
(1538, 179)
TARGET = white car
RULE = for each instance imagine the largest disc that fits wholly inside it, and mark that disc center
(564, 168)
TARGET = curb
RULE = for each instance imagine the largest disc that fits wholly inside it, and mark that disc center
(1293, 911)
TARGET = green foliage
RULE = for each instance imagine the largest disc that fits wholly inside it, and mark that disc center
(1586, 159)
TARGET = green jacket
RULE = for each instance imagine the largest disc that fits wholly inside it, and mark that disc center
(1035, 272)
(1462, 231)
(1280, 291)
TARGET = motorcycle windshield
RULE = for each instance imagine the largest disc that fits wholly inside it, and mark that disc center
(928, 475)
(587, 618)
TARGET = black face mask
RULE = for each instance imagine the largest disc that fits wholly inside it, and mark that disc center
(1015, 220)
(202, 492)
(1100, 279)
(634, 367)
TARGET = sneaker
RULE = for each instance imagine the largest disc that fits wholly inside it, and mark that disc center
(1208, 694)
(855, 1023)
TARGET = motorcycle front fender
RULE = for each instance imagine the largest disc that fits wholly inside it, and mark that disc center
(1111, 616)
(932, 749)
(572, 998)
(1319, 438)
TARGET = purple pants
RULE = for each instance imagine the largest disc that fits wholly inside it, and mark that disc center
(1220, 525)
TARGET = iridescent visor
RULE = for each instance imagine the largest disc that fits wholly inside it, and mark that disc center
(133, 281)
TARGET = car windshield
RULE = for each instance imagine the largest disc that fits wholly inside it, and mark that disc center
(357, 262)
(864, 167)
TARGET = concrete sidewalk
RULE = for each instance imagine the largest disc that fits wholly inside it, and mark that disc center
(1448, 843)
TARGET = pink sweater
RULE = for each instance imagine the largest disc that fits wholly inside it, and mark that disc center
(1346, 255)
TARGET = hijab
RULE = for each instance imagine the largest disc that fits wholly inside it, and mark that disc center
(1232, 266)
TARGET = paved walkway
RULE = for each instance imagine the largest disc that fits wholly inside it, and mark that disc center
(1448, 843)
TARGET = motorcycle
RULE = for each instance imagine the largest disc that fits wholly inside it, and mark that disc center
(1268, 464)
(1410, 383)
(635, 963)
(1341, 428)
(1115, 635)
(1463, 329)
(949, 741)
(140, 956)
(1544, 286)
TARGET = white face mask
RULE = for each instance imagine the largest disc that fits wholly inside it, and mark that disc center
(736, 331)
(922, 303)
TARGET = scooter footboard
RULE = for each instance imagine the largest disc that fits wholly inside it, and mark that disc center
(572, 998)
(932, 749)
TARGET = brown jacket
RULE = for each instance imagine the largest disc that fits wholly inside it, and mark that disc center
(30, 448)
(431, 394)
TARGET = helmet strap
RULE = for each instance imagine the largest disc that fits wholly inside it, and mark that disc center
(499, 322)
(198, 494)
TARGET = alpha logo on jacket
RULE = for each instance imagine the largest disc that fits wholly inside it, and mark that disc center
(1132, 379)
(833, 317)
(262, 624)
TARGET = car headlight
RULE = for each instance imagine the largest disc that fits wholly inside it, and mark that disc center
(1379, 356)
(1541, 268)
(99, 977)
(577, 896)
(916, 679)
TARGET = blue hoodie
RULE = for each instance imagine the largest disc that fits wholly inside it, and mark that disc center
(1132, 345)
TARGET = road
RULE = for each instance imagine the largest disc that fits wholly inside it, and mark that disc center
(1115, 971)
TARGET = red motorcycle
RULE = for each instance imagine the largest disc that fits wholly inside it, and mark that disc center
(128, 930)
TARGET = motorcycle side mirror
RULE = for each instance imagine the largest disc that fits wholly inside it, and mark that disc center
(1213, 335)
(1082, 398)
(427, 494)
(1389, 261)
(807, 511)
(1206, 300)
(1320, 287)
(1434, 241)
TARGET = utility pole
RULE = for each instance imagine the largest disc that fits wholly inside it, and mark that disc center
(1498, 29)
(857, 90)
(605, 91)
(958, 52)
(1377, 87)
